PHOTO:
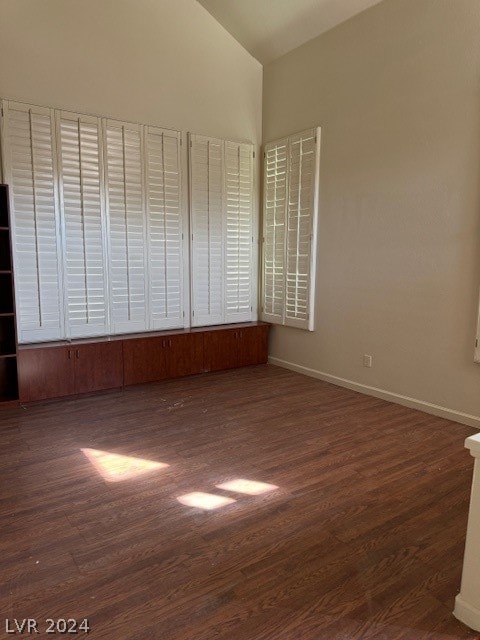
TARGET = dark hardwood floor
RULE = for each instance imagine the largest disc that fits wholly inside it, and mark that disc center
(363, 538)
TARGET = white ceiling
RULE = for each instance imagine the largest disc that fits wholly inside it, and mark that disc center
(270, 28)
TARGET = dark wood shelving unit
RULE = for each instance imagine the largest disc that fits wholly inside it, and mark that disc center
(8, 334)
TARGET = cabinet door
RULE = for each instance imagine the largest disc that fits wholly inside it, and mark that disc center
(98, 366)
(45, 373)
(220, 349)
(184, 355)
(143, 360)
(252, 345)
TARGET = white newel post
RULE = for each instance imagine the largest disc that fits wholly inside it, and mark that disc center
(467, 603)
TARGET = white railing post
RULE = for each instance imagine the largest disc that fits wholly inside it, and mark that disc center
(467, 603)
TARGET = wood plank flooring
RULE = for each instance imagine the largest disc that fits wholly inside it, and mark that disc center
(362, 539)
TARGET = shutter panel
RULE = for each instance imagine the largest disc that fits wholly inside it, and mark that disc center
(290, 229)
(126, 221)
(30, 166)
(301, 220)
(206, 211)
(83, 224)
(164, 210)
(239, 230)
(274, 215)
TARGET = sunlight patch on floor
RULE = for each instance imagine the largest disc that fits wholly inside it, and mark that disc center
(250, 487)
(202, 500)
(114, 467)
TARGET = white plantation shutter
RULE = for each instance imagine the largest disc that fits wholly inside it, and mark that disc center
(163, 188)
(290, 229)
(80, 169)
(274, 217)
(239, 231)
(207, 225)
(30, 170)
(127, 226)
(302, 191)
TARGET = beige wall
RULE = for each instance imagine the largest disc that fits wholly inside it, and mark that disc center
(397, 93)
(163, 62)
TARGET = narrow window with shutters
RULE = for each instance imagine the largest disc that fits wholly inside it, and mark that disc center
(163, 170)
(290, 229)
(80, 168)
(30, 171)
(222, 217)
(127, 227)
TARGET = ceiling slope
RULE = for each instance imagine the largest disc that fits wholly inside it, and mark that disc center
(270, 28)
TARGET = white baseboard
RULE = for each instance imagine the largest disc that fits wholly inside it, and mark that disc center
(467, 614)
(413, 403)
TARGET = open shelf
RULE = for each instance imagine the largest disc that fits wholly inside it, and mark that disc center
(6, 293)
(5, 257)
(4, 221)
(7, 335)
(8, 339)
(8, 379)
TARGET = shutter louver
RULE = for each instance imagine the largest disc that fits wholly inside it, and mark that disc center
(30, 171)
(275, 197)
(162, 148)
(127, 237)
(290, 229)
(83, 222)
(238, 242)
(207, 202)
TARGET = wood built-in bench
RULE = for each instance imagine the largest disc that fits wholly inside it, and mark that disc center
(56, 369)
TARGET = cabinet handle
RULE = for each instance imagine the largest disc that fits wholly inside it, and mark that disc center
(69, 354)
(77, 354)
(169, 343)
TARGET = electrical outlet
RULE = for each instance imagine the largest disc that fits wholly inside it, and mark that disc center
(367, 360)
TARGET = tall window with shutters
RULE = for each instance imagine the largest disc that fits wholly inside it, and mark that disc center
(290, 218)
(222, 235)
(98, 224)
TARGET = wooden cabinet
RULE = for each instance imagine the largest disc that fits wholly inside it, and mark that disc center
(160, 357)
(53, 372)
(220, 349)
(61, 370)
(231, 348)
(45, 372)
(252, 345)
(143, 360)
(8, 339)
(184, 355)
(98, 366)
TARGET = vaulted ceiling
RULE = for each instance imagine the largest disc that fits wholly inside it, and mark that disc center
(270, 28)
